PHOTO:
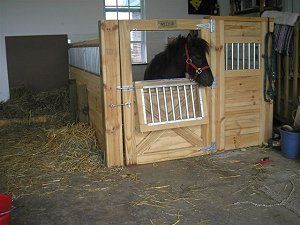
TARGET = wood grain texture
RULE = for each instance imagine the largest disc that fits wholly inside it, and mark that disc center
(92, 84)
(111, 78)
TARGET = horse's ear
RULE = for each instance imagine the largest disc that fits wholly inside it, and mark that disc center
(189, 37)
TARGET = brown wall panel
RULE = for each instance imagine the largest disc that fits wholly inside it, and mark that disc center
(37, 62)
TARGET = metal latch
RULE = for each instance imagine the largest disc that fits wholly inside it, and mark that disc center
(210, 25)
(125, 88)
(211, 147)
(127, 104)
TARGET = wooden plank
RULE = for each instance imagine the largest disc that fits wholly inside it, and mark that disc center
(73, 100)
(189, 136)
(242, 73)
(241, 131)
(171, 155)
(110, 56)
(242, 123)
(89, 43)
(83, 106)
(146, 143)
(266, 110)
(241, 140)
(240, 18)
(242, 29)
(241, 39)
(286, 96)
(279, 83)
(296, 63)
(165, 24)
(147, 128)
(93, 84)
(241, 84)
(127, 96)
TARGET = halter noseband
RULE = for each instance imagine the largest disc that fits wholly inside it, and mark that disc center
(189, 62)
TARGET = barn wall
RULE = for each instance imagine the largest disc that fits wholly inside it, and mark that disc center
(76, 18)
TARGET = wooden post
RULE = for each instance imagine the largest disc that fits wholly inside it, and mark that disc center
(266, 108)
(279, 83)
(73, 100)
(286, 86)
(110, 57)
(127, 96)
(217, 67)
(296, 64)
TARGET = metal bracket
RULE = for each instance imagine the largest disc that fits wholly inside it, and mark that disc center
(125, 88)
(127, 104)
(210, 25)
(212, 147)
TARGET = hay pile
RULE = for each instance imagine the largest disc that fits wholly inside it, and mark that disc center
(35, 155)
(24, 103)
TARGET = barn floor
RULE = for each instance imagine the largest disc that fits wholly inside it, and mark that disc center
(225, 188)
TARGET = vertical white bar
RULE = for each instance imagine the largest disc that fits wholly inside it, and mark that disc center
(254, 63)
(165, 103)
(158, 104)
(243, 56)
(238, 56)
(226, 56)
(186, 102)
(151, 106)
(249, 56)
(193, 102)
(258, 56)
(144, 106)
(232, 56)
(172, 103)
(179, 102)
(200, 102)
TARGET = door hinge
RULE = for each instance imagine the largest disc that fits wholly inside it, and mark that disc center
(125, 88)
(209, 25)
(212, 147)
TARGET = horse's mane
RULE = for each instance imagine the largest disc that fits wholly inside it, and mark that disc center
(177, 45)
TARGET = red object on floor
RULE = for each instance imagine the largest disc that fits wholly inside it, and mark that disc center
(5, 207)
(263, 161)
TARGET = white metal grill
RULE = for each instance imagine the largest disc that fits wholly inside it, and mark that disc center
(241, 56)
(171, 103)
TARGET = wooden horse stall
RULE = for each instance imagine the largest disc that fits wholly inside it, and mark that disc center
(287, 89)
(151, 121)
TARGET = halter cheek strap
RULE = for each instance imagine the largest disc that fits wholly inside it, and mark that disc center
(189, 63)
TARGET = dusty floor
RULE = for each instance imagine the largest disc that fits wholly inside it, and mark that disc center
(225, 188)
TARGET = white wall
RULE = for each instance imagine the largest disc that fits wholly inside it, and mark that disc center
(77, 18)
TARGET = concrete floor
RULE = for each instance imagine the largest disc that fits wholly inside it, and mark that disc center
(225, 188)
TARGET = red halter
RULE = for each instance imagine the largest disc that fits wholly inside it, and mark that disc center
(189, 62)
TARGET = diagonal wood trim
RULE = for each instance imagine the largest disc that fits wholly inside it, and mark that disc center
(189, 136)
(150, 139)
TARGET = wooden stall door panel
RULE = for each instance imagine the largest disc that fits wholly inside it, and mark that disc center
(243, 89)
(175, 141)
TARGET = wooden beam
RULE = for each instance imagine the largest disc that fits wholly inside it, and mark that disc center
(110, 56)
(89, 43)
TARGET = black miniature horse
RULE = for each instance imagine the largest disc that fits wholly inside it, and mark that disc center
(183, 58)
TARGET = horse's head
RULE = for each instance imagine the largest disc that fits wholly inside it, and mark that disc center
(197, 66)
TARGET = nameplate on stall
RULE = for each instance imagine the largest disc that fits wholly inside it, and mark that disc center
(166, 23)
